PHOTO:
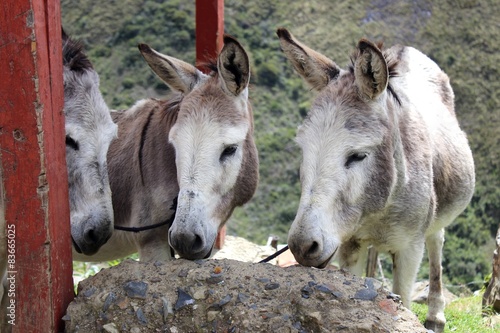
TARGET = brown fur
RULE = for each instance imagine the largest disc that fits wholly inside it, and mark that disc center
(125, 165)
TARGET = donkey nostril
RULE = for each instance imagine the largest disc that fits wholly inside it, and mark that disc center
(313, 248)
(91, 235)
(198, 242)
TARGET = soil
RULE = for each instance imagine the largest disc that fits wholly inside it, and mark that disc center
(225, 295)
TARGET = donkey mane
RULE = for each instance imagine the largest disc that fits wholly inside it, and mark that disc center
(392, 59)
(171, 107)
(73, 55)
(212, 66)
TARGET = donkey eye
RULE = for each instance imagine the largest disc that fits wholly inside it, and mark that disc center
(228, 152)
(353, 158)
(71, 143)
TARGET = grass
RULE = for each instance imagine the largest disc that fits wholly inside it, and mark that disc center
(82, 270)
(463, 316)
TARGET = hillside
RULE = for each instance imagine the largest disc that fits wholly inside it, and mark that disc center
(461, 36)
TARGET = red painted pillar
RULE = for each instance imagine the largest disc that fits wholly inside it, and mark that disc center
(33, 165)
(209, 42)
(209, 30)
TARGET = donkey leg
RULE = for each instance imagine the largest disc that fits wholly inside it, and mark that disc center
(405, 264)
(435, 316)
(153, 245)
(353, 256)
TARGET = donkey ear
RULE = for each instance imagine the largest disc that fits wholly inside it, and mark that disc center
(370, 70)
(233, 66)
(314, 67)
(176, 73)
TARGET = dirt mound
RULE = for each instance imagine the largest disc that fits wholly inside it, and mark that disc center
(232, 296)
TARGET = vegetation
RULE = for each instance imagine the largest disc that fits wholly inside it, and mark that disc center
(462, 315)
(461, 36)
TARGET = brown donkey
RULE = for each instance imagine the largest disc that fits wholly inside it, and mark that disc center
(197, 146)
(384, 163)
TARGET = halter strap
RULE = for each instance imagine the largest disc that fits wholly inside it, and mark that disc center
(152, 226)
(274, 255)
(171, 220)
(147, 227)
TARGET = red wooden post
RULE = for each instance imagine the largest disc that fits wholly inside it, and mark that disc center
(209, 42)
(32, 150)
(209, 30)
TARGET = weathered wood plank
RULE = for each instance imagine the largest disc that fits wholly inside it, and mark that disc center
(33, 162)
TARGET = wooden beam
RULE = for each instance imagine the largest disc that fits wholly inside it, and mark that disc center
(34, 176)
(371, 263)
(209, 31)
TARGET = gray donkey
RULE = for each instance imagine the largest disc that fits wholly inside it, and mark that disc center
(89, 132)
(384, 163)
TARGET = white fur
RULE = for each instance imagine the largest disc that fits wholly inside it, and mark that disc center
(199, 143)
(88, 122)
(388, 199)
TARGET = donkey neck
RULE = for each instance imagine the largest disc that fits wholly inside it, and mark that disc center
(141, 155)
(154, 149)
(395, 118)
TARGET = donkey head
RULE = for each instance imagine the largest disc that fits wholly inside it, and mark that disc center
(215, 155)
(89, 132)
(348, 169)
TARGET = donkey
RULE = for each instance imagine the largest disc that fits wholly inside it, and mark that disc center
(193, 154)
(384, 163)
(89, 132)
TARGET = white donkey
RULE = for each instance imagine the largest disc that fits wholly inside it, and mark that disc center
(384, 163)
(89, 132)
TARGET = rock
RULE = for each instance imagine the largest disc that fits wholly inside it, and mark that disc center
(365, 294)
(238, 248)
(183, 299)
(389, 306)
(140, 315)
(271, 286)
(491, 297)
(89, 292)
(239, 303)
(111, 328)
(136, 289)
(218, 306)
(215, 278)
(200, 293)
(110, 299)
(167, 308)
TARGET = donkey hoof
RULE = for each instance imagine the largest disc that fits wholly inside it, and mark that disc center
(436, 327)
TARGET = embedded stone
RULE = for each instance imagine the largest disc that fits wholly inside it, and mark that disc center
(183, 299)
(136, 289)
(365, 294)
